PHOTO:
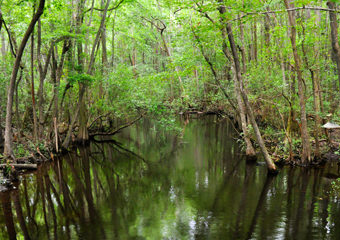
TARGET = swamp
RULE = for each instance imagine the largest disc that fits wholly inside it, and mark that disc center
(169, 119)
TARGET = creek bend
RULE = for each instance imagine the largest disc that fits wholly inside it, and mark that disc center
(150, 184)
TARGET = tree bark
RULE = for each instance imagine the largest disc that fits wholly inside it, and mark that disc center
(242, 48)
(270, 164)
(113, 40)
(83, 118)
(250, 151)
(8, 149)
(334, 35)
(35, 121)
(255, 40)
(42, 77)
(315, 76)
(83, 133)
(306, 149)
(92, 58)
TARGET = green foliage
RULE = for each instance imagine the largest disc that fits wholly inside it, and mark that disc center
(21, 151)
(75, 77)
(335, 187)
(338, 151)
(153, 63)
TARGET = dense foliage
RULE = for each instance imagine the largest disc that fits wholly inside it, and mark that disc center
(109, 61)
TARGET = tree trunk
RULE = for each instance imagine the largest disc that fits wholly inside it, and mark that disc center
(255, 40)
(270, 164)
(83, 118)
(35, 121)
(8, 149)
(167, 50)
(42, 77)
(243, 51)
(267, 30)
(113, 40)
(104, 62)
(250, 151)
(315, 76)
(82, 133)
(334, 35)
(55, 85)
(306, 149)
(96, 41)
(213, 71)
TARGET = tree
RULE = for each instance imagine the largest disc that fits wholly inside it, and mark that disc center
(270, 164)
(306, 149)
(8, 149)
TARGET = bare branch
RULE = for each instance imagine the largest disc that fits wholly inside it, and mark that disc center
(284, 10)
(204, 13)
(110, 9)
(9, 35)
(117, 130)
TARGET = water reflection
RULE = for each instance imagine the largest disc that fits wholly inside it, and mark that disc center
(147, 184)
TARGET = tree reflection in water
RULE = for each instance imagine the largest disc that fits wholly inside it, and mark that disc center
(149, 184)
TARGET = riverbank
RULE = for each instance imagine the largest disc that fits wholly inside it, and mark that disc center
(31, 155)
(36, 154)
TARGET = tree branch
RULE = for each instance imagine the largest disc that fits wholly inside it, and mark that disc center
(9, 35)
(117, 130)
(102, 10)
(285, 10)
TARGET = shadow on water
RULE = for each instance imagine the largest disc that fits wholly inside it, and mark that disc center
(150, 184)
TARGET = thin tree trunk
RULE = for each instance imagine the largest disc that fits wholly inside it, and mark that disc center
(17, 116)
(35, 121)
(316, 90)
(243, 51)
(83, 133)
(306, 149)
(8, 149)
(213, 71)
(255, 40)
(42, 77)
(270, 164)
(113, 40)
(92, 58)
(104, 52)
(250, 151)
(267, 30)
(104, 61)
(334, 35)
(167, 50)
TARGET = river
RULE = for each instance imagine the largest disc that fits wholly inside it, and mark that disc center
(145, 183)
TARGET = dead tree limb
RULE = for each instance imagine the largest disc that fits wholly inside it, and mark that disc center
(20, 166)
(116, 130)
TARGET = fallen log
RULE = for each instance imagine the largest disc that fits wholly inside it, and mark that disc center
(20, 166)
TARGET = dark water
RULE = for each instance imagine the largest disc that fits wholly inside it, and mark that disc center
(153, 185)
